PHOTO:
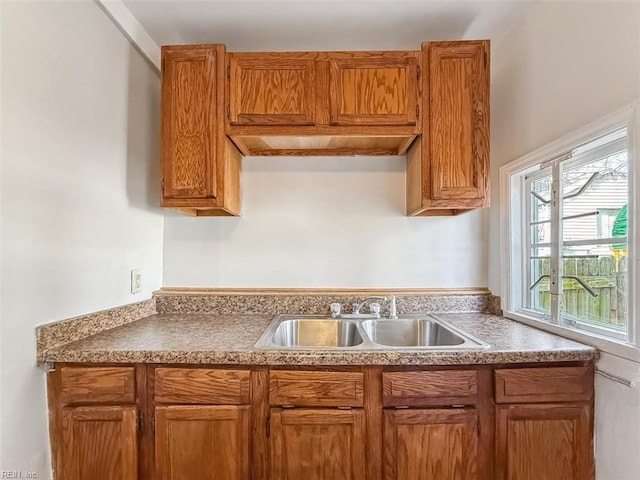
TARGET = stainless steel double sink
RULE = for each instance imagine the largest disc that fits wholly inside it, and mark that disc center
(307, 332)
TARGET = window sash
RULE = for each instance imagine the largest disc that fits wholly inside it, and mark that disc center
(555, 167)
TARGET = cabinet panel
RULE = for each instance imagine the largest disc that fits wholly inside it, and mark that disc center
(430, 444)
(201, 385)
(459, 119)
(97, 384)
(271, 89)
(202, 442)
(99, 443)
(533, 385)
(446, 387)
(316, 389)
(190, 96)
(317, 444)
(374, 90)
(551, 442)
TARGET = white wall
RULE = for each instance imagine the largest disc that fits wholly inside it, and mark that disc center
(79, 192)
(563, 65)
(325, 222)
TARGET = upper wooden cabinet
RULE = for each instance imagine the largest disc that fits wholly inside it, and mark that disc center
(448, 168)
(430, 104)
(200, 168)
(374, 88)
(271, 89)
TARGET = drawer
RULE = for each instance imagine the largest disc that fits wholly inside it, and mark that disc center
(443, 387)
(201, 386)
(97, 384)
(537, 385)
(316, 389)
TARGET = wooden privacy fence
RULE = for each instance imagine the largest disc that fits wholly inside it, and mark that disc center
(606, 276)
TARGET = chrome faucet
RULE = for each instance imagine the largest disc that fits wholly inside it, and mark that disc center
(393, 313)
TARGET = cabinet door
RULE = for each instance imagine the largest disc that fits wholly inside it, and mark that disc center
(191, 91)
(99, 443)
(317, 444)
(458, 102)
(550, 442)
(374, 90)
(271, 89)
(202, 442)
(430, 444)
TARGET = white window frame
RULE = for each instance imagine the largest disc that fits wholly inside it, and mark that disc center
(511, 220)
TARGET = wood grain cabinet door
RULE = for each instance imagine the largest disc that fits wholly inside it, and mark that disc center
(202, 442)
(99, 443)
(192, 93)
(271, 89)
(313, 444)
(550, 442)
(458, 104)
(430, 444)
(374, 89)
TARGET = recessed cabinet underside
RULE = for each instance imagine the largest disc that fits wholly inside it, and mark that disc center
(430, 104)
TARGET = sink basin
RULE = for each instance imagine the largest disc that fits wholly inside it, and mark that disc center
(412, 331)
(409, 332)
(316, 333)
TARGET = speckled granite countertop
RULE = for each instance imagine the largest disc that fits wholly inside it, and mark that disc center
(230, 339)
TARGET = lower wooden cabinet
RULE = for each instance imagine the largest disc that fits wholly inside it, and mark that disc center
(202, 442)
(148, 422)
(309, 444)
(99, 443)
(431, 444)
(550, 442)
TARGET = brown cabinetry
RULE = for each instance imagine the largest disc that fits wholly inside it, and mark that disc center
(202, 423)
(431, 444)
(99, 443)
(200, 167)
(202, 442)
(448, 168)
(374, 88)
(544, 441)
(343, 423)
(271, 89)
(317, 444)
(430, 104)
(537, 436)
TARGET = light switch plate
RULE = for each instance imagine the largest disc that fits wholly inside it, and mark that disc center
(136, 281)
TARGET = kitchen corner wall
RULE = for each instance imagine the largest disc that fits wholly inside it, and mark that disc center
(562, 66)
(80, 147)
(330, 222)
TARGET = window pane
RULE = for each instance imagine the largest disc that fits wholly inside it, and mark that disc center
(606, 276)
(598, 192)
(539, 297)
(595, 189)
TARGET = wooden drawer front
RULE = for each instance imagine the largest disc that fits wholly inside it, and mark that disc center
(316, 389)
(531, 385)
(97, 384)
(201, 386)
(445, 387)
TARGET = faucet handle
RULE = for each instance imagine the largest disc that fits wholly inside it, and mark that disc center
(393, 311)
(335, 310)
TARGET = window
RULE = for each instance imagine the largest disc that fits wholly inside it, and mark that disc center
(570, 235)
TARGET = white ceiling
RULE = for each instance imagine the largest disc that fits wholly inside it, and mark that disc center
(267, 25)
